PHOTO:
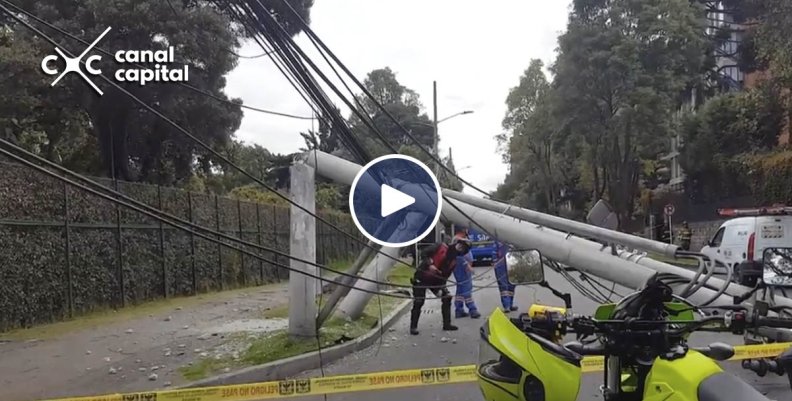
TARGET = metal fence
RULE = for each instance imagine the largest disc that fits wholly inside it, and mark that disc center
(64, 252)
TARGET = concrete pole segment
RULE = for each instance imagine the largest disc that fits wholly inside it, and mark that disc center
(302, 288)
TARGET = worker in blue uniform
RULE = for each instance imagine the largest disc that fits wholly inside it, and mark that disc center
(502, 275)
(463, 275)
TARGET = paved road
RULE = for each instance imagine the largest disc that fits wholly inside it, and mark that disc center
(399, 350)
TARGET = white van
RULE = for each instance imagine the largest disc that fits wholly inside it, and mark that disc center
(741, 241)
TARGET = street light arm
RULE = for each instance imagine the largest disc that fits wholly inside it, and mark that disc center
(447, 118)
(454, 115)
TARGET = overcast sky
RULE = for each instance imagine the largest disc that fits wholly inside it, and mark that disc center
(475, 50)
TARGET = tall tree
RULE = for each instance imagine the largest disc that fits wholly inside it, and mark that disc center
(402, 103)
(532, 142)
(766, 25)
(621, 67)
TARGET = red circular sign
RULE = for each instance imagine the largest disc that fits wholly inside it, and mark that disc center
(669, 209)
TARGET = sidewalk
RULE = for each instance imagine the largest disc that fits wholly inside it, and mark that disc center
(136, 349)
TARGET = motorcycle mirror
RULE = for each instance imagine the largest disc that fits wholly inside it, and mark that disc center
(777, 267)
(525, 267)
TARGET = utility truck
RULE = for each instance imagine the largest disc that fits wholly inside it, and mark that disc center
(740, 242)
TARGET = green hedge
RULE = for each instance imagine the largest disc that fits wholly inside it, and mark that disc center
(37, 285)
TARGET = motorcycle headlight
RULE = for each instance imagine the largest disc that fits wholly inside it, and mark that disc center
(533, 389)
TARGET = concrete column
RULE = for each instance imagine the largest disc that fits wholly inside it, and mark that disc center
(351, 307)
(302, 289)
(342, 289)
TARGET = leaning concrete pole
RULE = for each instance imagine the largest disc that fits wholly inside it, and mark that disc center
(352, 306)
(559, 223)
(302, 288)
(345, 281)
(562, 224)
(584, 255)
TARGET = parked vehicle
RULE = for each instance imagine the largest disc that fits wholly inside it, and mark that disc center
(740, 242)
(484, 248)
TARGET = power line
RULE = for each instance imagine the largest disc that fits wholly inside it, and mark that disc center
(307, 82)
(307, 29)
(281, 38)
(288, 40)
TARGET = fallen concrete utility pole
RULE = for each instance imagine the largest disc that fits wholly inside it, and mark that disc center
(352, 306)
(302, 288)
(343, 288)
(584, 255)
(570, 226)
(574, 227)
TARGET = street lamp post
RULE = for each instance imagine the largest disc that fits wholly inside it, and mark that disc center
(436, 141)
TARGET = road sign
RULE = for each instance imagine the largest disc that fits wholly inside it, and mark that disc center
(669, 210)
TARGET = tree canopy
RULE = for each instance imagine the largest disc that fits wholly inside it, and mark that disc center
(622, 66)
(111, 134)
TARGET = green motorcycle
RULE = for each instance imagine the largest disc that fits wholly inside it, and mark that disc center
(642, 340)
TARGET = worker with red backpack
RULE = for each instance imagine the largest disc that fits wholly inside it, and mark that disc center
(437, 264)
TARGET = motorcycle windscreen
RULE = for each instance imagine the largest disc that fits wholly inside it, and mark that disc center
(499, 376)
(506, 351)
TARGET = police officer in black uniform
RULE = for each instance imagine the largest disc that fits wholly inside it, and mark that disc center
(437, 264)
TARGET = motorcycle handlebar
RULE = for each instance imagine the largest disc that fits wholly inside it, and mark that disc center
(732, 322)
(776, 322)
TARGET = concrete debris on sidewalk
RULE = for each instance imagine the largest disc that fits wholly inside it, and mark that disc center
(150, 341)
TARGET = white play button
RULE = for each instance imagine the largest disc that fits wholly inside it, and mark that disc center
(393, 200)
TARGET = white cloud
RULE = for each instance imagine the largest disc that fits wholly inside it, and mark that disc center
(476, 52)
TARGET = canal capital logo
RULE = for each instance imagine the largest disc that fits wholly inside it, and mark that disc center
(157, 70)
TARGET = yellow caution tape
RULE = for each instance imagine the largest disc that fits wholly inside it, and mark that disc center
(758, 351)
(366, 381)
(302, 387)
